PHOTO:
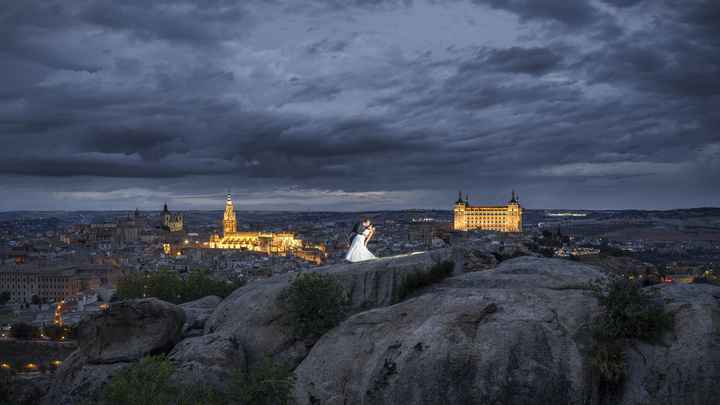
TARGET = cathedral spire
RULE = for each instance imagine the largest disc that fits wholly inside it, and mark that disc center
(229, 218)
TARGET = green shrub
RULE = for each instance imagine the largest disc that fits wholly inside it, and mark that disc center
(171, 287)
(627, 312)
(199, 284)
(267, 384)
(608, 360)
(148, 383)
(56, 332)
(24, 331)
(130, 286)
(166, 285)
(420, 279)
(315, 303)
(144, 383)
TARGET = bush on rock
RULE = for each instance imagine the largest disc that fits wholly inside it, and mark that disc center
(315, 303)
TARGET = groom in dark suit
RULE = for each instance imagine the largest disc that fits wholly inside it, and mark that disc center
(359, 228)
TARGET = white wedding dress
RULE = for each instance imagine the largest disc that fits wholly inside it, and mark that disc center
(358, 251)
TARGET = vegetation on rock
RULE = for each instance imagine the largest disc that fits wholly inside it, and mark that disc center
(267, 384)
(420, 279)
(22, 330)
(144, 383)
(149, 382)
(171, 287)
(315, 303)
(628, 312)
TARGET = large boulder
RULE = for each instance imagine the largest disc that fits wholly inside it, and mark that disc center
(209, 358)
(252, 317)
(197, 312)
(129, 330)
(517, 334)
(112, 340)
(522, 340)
(685, 367)
(530, 272)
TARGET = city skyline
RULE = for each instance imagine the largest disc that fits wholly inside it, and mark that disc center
(359, 105)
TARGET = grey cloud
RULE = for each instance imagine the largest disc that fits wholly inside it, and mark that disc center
(534, 61)
(204, 23)
(623, 3)
(570, 13)
(209, 95)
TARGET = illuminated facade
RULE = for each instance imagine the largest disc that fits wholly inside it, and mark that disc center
(501, 218)
(48, 284)
(272, 243)
(172, 222)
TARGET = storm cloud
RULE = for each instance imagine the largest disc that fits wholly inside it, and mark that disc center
(359, 104)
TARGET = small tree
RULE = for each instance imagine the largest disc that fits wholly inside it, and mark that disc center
(22, 330)
(199, 284)
(144, 383)
(315, 303)
(165, 285)
(628, 312)
(131, 286)
(168, 285)
(54, 332)
(267, 384)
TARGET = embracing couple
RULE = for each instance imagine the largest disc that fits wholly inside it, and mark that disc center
(359, 237)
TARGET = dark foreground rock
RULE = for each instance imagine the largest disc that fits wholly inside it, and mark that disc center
(685, 367)
(252, 318)
(467, 342)
(197, 312)
(112, 340)
(518, 333)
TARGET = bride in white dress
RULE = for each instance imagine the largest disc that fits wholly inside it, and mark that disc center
(358, 249)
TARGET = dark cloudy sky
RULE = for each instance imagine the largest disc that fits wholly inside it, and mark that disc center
(359, 104)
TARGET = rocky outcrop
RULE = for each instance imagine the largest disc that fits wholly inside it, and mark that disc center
(487, 253)
(252, 318)
(112, 340)
(210, 359)
(684, 368)
(520, 340)
(516, 333)
(196, 313)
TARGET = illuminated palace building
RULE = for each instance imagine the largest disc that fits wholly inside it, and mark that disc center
(271, 243)
(499, 218)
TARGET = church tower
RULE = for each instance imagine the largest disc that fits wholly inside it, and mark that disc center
(229, 219)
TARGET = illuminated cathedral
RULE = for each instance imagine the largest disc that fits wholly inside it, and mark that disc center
(172, 222)
(499, 218)
(274, 243)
